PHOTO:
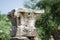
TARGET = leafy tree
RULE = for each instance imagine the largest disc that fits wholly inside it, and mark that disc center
(4, 27)
(49, 21)
(31, 4)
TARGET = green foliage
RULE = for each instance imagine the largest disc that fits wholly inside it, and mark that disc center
(46, 25)
(4, 27)
(48, 22)
(31, 4)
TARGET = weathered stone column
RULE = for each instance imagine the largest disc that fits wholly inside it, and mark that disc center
(27, 28)
(25, 21)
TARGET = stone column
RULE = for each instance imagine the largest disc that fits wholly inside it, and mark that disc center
(26, 24)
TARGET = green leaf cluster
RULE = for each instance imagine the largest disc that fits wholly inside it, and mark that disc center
(4, 27)
(49, 21)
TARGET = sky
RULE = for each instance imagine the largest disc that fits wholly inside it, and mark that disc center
(7, 5)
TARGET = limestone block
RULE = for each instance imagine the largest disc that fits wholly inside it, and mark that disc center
(24, 21)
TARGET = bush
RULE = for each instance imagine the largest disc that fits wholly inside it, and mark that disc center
(4, 27)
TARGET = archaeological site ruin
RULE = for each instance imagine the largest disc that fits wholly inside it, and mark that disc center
(23, 21)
